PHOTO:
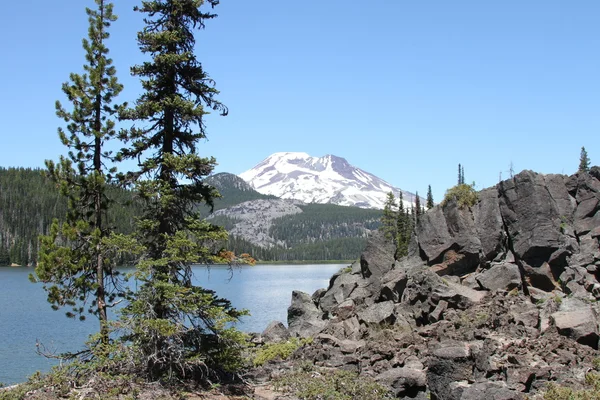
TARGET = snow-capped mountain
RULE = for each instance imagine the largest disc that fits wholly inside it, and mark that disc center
(327, 179)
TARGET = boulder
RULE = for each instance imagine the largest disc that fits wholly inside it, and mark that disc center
(449, 229)
(504, 276)
(304, 319)
(404, 382)
(378, 313)
(531, 206)
(275, 332)
(340, 288)
(488, 223)
(578, 321)
(378, 257)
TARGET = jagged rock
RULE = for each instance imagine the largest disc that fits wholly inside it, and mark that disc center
(378, 257)
(488, 391)
(345, 309)
(488, 223)
(450, 229)
(541, 277)
(532, 206)
(456, 295)
(405, 382)
(304, 319)
(437, 313)
(505, 276)
(378, 313)
(578, 321)
(275, 332)
(340, 288)
(393, 285)
(525, 314)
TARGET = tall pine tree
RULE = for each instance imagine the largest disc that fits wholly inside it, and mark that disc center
(584, 161)
(389, 218)
(181, 329)
(402, 229)
(429, 198)
(74, 260)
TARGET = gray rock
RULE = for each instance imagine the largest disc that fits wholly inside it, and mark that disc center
(488, 223)
(275, 332)
(505, 276)
(489, 391)
(579, 324)
(378, 313)
(304, 319)
(532, 205)
(378, 257)
(405, 382)
(448, 237)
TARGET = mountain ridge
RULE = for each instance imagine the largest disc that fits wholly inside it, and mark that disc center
(326, 179)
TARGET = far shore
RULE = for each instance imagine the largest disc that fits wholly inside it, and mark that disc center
(289, 262)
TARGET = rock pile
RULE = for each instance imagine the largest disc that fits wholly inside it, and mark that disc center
(493, 301)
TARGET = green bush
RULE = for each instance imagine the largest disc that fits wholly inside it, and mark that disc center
(465, 195)
(282, 350)
(330, 385)
(592, 380)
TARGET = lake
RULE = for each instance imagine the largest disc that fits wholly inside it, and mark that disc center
(26, 316)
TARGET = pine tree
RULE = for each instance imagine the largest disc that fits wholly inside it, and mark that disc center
(459, 174)
(462, 175)
(429, 198)
(584, 161)
(181, 329)
(74, 260)
(389, 218)
(417, 204)
(402, 229)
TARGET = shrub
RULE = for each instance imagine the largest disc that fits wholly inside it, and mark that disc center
(592, 381)
(330, 385)
(465, 195)
(282, 350)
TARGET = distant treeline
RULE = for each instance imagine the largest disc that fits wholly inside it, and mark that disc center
(29, 201)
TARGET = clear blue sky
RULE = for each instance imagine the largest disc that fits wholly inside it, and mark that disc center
(403, 89)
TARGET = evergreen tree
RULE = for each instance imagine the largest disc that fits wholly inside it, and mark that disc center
(584, 161)
(74, 261)
(459, 174)
(417, 204)
(462, 175)
(389, 218)
(181, 329)
(402, 229)
(429, 198)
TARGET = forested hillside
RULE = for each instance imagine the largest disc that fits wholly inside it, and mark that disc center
(29, 202)
(233, 190)
(310, 232)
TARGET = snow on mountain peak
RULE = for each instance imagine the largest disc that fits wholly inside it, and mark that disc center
(327, 179)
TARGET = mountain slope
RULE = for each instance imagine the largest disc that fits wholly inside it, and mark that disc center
(233, 189)
(327, 179)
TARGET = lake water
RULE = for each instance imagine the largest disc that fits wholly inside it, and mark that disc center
(26, 316)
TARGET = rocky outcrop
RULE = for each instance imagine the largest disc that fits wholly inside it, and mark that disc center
(493, 301)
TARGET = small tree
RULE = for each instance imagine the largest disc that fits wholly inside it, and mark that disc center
(74, 259)
(429, 198)
(182, 330)
(389, 218)
(402, 229)
(584, 161)
(459, 175)
(417, 204)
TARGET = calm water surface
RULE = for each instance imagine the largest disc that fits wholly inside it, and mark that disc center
(26, 316)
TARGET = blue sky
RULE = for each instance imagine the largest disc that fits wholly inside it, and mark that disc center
(405, 90)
